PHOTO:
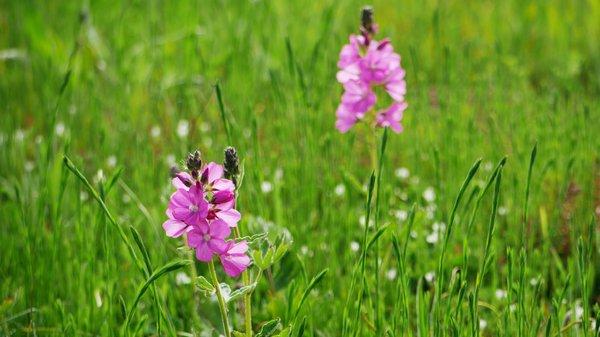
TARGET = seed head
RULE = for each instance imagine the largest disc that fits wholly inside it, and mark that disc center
(366, 20)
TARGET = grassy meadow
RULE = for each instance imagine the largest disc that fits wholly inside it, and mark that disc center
(488, 206)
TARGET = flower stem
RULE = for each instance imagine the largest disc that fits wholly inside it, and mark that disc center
(247, 297)
(196, 300)
(222, 305)
(380, 158)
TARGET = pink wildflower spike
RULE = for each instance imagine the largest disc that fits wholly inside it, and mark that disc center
(208, 239)
(396, 85)
(235, 260)
(188, 206)
(358, 98)
(392, 116)
(345, 119)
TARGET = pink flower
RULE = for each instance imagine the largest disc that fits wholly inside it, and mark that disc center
(235, 260)
(358, 98)
(392, 116)
(186, 208)
(221, 207)
(364, 65)
(345, 119)
(208, 239)
(212, 178)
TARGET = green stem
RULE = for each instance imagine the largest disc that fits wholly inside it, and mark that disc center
(222, 305)
(196, 300)
(247, 297)
(376, 224)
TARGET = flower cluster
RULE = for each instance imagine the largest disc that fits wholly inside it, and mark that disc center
(203, 208)
(366, 64)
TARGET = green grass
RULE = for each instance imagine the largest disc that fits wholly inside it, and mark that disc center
(486, 80)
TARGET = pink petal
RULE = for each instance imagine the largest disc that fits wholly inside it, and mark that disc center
(203, 252)
(238, 248)
(223, 185)
(219, 229)
(235, 265)
(212, 172)
(218, 246)
(230, 217)
(174, 228)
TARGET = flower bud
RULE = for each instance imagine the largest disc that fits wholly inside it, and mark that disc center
(231, 164)
(194, 163)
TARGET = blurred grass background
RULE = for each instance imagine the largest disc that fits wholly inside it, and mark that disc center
(485, 79)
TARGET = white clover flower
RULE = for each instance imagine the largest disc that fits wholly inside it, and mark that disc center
(183, 128)
(502, 210)
(111, 161)
(430, 276)
(482, 324)
(182, 278)
(402, 173)
(19, 135)
(340, 190)
(98, 298)
(413, 234)
(99, 177)
(354, 246)
(266, 187)
(155, 131)
(488, 166)
(432, 238)
(391, 274)
(59, 129)
(126, 198)
(170, 159)
(501, 294)
(429, 194)
(278, 174)
(401, 215)
(83, 196)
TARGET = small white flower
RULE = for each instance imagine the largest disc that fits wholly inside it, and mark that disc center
(402, 173)
(512, 307)
(429, 194)
(59, 129)
(126, 198)
(98, 298)
(354, 246)
(404, 196)
(83, 196)
(438, 227)
(99, 177)
(391, 274)
(534, 281)
(182, 278)
(304, 250)
(278, 174)
(340, 190)
(111, 161)
(430, 276)
(432, 238)
(29, 166)
(502, 210)
(413, 234)
(578, 311)
(482, 324)
(19, 135)
(155, 131)
(225, 292)
(401, 215)
(488, 166)
(171, 159)
(501, 294)
(183, 128)
(266, 187)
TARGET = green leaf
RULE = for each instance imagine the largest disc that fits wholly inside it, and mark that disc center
(285, 332)
(238, 334)
(204, 284)
(269, 328)
(239, 293)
